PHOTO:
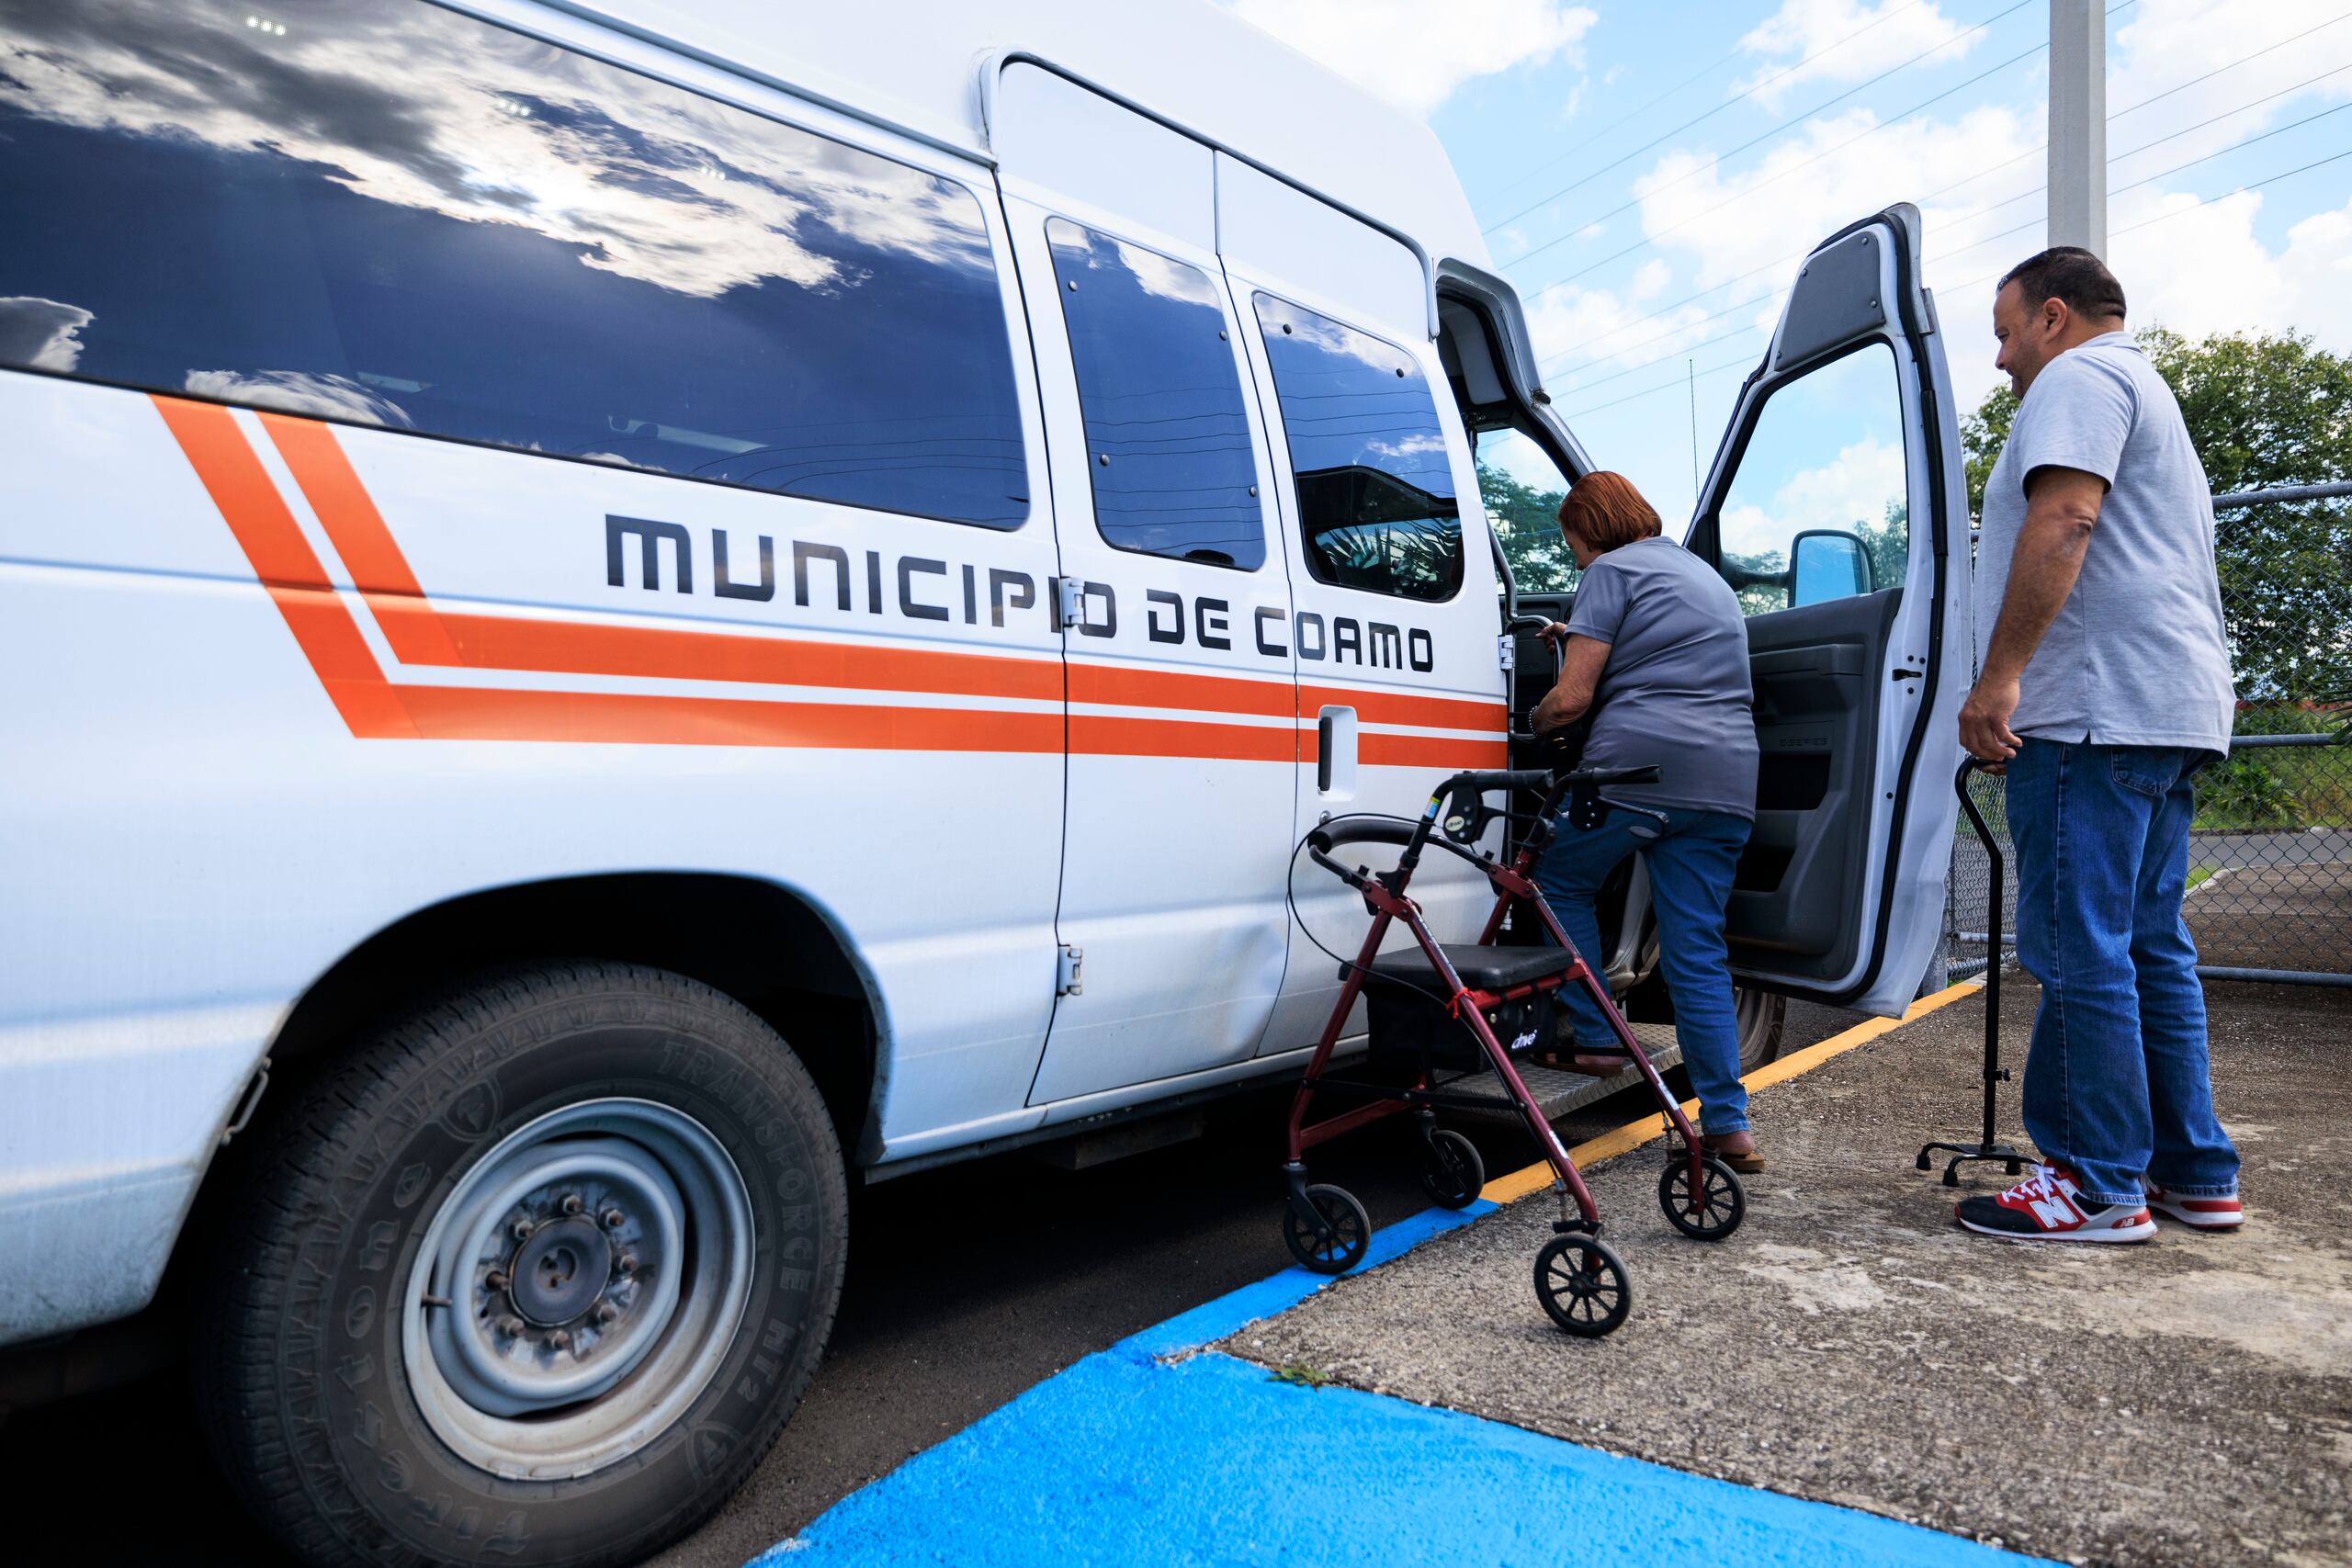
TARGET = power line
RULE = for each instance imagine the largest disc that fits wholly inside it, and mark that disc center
(1651, 239)
(2233, 66)
(1626, 119)
(2257, 185)
(2177, 168)
(2158, 141)
(1838, 44)
(1572, 230)
(1955, 287)
(1979, 175)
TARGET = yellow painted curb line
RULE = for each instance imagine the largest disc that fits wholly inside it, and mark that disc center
(1634, 1135)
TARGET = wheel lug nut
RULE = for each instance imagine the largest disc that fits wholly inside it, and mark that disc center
(629, 1263)
(520, 1230)
(510, 1326)
(561, 1339)
(496, 1279)
(606, 1311)
(572, 1204)
(614, 1219)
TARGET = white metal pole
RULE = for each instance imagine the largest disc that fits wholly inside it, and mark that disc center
(2078, 125)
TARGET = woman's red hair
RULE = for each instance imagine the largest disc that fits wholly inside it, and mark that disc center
(1605, 511)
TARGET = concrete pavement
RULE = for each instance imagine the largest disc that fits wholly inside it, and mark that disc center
(2186, 1402)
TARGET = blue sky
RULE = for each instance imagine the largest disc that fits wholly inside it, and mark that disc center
(1652, 170)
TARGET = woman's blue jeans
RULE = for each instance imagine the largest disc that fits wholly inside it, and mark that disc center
(1691, 863)
(2116, 1082)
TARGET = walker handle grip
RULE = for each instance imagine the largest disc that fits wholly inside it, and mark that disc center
(1324, 839)
(1511, 778)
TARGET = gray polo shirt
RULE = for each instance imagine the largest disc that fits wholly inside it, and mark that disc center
(2136, 656)
(1676, 690)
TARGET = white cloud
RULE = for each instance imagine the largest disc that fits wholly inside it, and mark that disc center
(1576, 331)
(2200, 274)
(2210, 273)
(1853, 41)
(1729, 225)
(1414, 56)
(299, 391)
(43, 334)
(2166, 44)
(1854, 488)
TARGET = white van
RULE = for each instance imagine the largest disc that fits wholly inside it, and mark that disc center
(620, 611)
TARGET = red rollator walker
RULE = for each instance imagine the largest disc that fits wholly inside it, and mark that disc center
(1450, 1012)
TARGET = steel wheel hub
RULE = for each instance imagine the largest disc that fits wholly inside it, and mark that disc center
(578, 1287)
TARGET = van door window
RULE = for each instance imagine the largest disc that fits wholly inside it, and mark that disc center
(1521, 489)
(1167, 435)
(1817, 508)
(1376, 505)
(384, 212)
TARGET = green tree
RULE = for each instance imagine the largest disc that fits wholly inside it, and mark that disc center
(2263, 410)
(1526, 521)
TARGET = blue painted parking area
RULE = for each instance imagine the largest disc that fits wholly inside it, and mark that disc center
(1131, 1458)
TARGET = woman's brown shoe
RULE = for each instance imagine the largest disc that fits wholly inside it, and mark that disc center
(1745, 1161)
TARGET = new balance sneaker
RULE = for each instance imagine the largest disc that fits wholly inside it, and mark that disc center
(2048, 1206)
(2204, 1214)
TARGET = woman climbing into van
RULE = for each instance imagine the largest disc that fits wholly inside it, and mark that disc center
(1656, 648)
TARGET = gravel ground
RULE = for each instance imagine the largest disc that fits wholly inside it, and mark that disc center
(2185, 1401)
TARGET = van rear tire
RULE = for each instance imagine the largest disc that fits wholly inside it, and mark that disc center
(535, 1277)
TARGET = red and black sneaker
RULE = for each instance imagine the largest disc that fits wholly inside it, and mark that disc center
(2201, 1213)
(2048, 1206)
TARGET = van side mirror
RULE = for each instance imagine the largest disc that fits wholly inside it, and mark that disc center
(1828, 563)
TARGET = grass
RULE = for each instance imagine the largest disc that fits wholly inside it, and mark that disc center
(2268, 789)
(1300, 1375)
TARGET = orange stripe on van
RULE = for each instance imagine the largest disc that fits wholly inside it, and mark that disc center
(1404, 707)
(421, 634)
(1101, 735)
(469, 713)
(1170, 689)
(289, 570)
(1429, 751)
(374, 707)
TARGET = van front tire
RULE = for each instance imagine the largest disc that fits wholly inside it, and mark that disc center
(535, 1279)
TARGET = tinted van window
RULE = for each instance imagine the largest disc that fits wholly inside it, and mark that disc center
(1375, 491)
(381, 212)
(1167, 436)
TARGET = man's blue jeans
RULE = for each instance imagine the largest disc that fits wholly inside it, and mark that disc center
(1691, 863)
(2116, 1082)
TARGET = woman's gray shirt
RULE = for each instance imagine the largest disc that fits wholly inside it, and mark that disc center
(1676, 690)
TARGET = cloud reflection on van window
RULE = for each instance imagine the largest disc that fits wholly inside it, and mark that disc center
(1375, 487)
(360, 194)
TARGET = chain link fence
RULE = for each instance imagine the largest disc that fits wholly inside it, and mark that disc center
(2271, 851)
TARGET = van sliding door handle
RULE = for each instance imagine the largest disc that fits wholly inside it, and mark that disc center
(1323, 754)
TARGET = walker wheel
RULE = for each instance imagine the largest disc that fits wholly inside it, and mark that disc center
(1452, 1172)
(1345, 1237)
(1582, 1285)
(1717, 1209)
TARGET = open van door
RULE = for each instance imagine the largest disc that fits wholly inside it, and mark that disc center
(1837, 511)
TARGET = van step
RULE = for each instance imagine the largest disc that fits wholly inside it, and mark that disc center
(1559, 1091)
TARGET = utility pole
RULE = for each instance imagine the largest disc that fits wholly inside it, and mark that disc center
(2078, 125)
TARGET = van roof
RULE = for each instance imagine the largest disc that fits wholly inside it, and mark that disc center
(1194, 62)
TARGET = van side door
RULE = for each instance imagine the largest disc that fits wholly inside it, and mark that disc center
(1836, 509)
(1181, 740)
(1392, 573)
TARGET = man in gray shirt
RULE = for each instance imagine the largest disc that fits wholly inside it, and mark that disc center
(2104, 685)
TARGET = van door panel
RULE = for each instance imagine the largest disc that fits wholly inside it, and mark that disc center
(1183, 737)
(1838, 896)
(1397, 725)
(1817, 696)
